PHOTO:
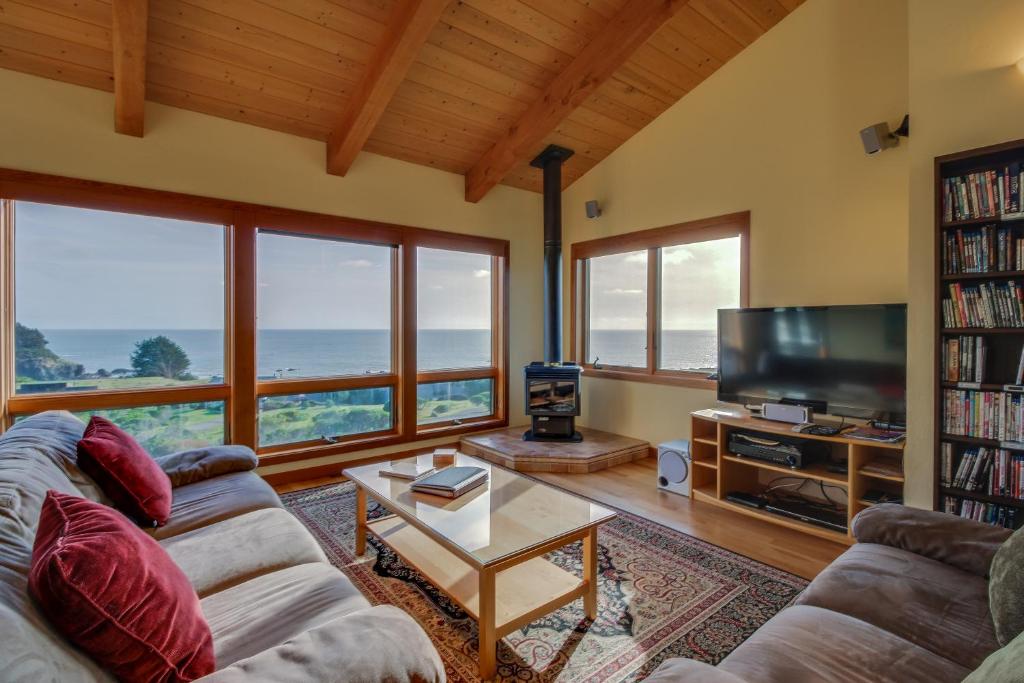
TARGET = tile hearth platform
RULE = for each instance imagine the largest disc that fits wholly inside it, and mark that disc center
(597, 451)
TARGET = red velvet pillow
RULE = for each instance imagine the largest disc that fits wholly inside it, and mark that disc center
(125, 472)
(116, 594)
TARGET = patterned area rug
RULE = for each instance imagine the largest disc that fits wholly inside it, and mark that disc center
(662, 594)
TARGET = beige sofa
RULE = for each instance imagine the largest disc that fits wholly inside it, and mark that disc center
(908, 603)
(277, 609)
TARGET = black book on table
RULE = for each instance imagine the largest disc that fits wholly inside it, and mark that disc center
(451, 481)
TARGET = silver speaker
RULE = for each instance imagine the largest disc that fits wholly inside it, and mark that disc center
(674, 466)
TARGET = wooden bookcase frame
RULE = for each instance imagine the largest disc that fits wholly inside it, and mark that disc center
(956, 164)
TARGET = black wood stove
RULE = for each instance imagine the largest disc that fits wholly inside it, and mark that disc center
(552, 386)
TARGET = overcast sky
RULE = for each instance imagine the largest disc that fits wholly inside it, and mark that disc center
(697, 280)
(83, 269)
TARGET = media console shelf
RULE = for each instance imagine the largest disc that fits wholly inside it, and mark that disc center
(717, 472)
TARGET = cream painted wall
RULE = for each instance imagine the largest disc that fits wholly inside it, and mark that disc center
(964, 93)
(51, 127)
(774, 131)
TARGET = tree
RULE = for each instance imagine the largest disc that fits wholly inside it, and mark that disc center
(160, 357)
(34, 359)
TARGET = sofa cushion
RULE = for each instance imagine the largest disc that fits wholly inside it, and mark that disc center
(804, 644)
(271, 609)
(197, 464)
(375, 644)
(240, 548)
(213, 500)
(114, 592)
(1006, 588)
(1005, 665)
(929, 603)
(125, 471)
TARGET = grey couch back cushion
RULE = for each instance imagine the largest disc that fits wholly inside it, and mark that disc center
(36, 454)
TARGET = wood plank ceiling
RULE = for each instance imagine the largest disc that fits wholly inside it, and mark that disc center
(480, 77)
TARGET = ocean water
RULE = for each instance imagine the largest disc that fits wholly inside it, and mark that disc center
(284, 353)
(317, 353)
(680, 349)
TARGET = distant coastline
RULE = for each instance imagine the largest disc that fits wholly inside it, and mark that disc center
(311, 353)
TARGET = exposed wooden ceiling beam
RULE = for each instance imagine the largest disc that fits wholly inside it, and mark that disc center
(410, 24)
(129, 21)
(630, 28)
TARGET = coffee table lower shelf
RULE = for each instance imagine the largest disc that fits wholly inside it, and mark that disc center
(523, 592)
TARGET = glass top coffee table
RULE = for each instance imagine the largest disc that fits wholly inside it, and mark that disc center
(484, 549)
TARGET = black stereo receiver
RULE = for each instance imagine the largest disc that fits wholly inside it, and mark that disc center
(779, 450)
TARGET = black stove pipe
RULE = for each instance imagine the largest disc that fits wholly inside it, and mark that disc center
(551, 160)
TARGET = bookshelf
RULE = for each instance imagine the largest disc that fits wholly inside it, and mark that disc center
(979, 339)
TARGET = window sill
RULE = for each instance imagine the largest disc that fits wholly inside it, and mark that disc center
(275, 455)
(482, 424)
(690, 380)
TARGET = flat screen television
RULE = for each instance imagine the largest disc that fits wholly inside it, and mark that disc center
(848, 361)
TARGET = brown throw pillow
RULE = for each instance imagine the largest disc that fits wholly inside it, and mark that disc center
(1006, 588)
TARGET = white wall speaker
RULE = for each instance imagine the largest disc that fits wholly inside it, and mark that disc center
(674, 467)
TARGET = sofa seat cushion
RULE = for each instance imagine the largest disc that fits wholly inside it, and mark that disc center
(266, 611)
(804, 644)
(931, 604)
(214, 500)
(237, 549)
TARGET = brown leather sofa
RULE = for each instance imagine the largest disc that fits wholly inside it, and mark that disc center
(277, 609)
(907, 603)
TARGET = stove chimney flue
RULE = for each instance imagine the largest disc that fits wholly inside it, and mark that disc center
(551, 160)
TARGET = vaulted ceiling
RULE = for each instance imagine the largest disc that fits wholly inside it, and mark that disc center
(476, 87)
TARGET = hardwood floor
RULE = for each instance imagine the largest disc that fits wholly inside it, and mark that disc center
(631, 487)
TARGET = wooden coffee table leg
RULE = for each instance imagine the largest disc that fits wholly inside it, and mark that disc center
(590, 573)
(360, 521)
(485, 626)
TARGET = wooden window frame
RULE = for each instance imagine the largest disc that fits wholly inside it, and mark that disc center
(653, 241)
(241, 389)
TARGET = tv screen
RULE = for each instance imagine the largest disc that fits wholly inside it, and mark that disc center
(845, 360)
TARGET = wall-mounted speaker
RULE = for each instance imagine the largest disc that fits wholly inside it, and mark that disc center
(674, 467)
(593, 208)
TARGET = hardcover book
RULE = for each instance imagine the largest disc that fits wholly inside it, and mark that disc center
(451, 481)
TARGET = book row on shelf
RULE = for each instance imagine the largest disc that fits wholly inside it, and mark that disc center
(983, 414)
(963, 359)
(988, 249)
(985, 194)
(989, 513)
(988, 304)
(995, 471)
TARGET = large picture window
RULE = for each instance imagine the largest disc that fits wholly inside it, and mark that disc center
(193, 321)
(323, 307)
(457, 327)
(645, 304)
(106, 301)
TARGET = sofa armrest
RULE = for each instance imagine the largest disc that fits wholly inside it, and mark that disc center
(682, 670)
(958, 542)
(188, 467)
(373, 645)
